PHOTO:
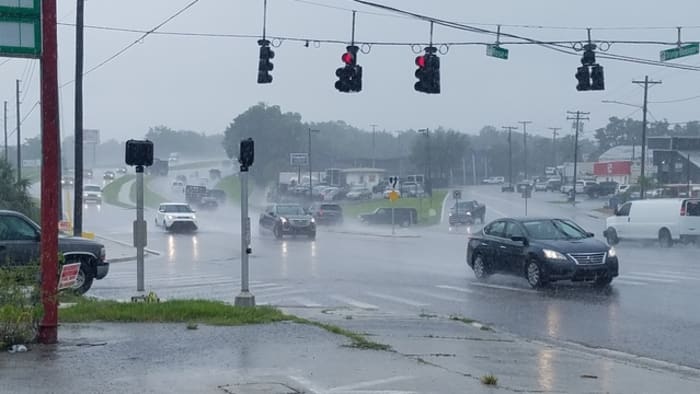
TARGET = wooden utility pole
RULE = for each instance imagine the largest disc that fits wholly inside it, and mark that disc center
(646, 82)
(579, 116)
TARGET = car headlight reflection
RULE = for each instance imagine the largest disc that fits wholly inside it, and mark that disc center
(283, 220)
(553, 254)
(313, 220)
(169, 217)
(612, 252)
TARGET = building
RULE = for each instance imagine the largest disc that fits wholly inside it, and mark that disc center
(624, 172)
(368, 177)
(676, 159)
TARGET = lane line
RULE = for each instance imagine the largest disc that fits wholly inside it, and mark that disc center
(669, 276)
(504, 287)
(648, 278)
(396, 299)
(438, 296)
(629, 282)
(353, 302)
(455, 288)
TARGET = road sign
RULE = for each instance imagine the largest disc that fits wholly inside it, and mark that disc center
(457, 194)
(299, 159)
(69, 274)
(20, 28)
(675, 53)
(497, 52)
(393, 195)
(90, 136)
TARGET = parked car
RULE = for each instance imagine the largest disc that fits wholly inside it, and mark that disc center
(543, 250)
(667, 220)
(594, 190)
(467, 212)
(541, 186)
(287, 219)
(494, 180)
(523, 185)
(325, 213)
(412, 189)
(19, 245)
(381, 186)
(359, 193)
(553, 184)
(92, 194)
(108, 176)
(331, 193)
(401, 216)
(174, 216)
(507, 188)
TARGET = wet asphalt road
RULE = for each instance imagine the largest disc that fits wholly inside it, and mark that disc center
(650, 310)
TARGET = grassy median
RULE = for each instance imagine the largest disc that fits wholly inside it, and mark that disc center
(232, 186)
(110, 193)
(422, 205)
(150, 198)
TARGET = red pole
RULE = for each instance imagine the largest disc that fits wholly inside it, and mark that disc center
(48, 331)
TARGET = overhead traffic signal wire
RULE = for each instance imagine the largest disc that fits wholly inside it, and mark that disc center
(138, 40)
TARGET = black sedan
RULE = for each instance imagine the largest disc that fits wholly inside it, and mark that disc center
(287, 219)
(542, 250)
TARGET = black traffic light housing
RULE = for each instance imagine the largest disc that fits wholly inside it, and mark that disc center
(597, 77)
(139, 153)
(428, 72)
(583, 76)
(590, 75)
(264, 64)
(350, 75)
(246, 154)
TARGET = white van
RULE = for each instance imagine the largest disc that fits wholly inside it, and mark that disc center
(667, 219)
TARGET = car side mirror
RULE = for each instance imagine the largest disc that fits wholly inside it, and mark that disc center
(520, 239)
(590, 235)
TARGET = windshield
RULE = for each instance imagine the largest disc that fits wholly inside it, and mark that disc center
(177, 208)
(553, 229)
(283, 210)
(91, 188)
(464, 205)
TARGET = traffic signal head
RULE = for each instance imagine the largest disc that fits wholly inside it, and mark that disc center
(597, 77)
(588, 58)
(348, 58)
(350, 75)
(264, 64)
(246, 153)
(428, 73)
(583, 77)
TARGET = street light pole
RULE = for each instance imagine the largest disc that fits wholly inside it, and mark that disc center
(510, 154)
(374, 155)
(429, 179)
(525, 123)
(311, 190)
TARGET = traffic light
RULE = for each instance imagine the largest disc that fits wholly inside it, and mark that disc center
(588, 58)
(597, 77)
(584, 79)
(428, 72)
(139, 153)
(246, 153)
(350, 75)
(265, 65)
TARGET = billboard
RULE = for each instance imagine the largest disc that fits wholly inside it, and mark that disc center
(91, 136)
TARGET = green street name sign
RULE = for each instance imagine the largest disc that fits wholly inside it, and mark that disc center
(496, 51)
(20, 28)
(675, 53)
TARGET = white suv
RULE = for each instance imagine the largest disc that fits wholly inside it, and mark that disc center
(92, 194)
(176, 216)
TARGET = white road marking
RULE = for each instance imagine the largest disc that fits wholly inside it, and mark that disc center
(455, 288)
(648, 278)
(354, 387)
(504, 287)
(305, 302)
(670, 276)
(353, 302)
(629, 282)
(438, 296)
(396, 299)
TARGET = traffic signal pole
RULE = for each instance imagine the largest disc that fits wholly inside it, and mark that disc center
(78, 143)
(48, 332)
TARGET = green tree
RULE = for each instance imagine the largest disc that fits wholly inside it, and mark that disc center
(188, 143)
(14, 195)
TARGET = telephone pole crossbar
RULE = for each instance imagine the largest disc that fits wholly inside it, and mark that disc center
(578, 116)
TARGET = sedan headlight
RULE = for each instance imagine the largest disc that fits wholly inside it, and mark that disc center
(103, 254)
(169, 217)
(313, 220)
(283, 220)
(612, 252)
(553, 255)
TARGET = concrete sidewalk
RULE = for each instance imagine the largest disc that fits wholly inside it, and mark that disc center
(431, 355)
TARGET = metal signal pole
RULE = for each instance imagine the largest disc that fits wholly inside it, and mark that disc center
(19, 138)
(510, 154)
(78, 143)
(578, 118)
(646, 82)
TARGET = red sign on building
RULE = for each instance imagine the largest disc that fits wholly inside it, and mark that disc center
(612, 168)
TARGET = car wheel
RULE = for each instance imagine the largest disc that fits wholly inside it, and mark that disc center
(481, 271)
(611, 236)
(84, 280)
(277, 231)
(534, 274)
(603, 281)
(665, 238)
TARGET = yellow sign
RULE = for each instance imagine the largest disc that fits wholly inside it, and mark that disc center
(393, 196)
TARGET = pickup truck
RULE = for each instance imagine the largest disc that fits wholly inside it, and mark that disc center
(19, 245)
(467, 212)
(600, 189)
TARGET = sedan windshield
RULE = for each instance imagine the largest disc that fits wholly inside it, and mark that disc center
(289, 210)
(553, 229)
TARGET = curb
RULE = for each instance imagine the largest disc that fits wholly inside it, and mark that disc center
(122, 259)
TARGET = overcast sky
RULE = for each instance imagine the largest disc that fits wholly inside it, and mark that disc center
(202, 83)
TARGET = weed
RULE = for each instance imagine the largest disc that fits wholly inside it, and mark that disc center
(489, 380)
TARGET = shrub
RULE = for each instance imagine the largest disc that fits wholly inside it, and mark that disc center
(20, 307)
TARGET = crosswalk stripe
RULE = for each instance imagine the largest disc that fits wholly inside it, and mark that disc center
(396, 299)
(438, 296)
(455, 288)
(648, 278)
(503, 287)
(353, 302)
(305, 302)
(630, 282)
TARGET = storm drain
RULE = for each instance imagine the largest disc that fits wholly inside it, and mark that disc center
(258, 388)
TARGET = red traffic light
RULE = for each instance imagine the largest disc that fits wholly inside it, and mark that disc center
(348, 58)
(420, 61)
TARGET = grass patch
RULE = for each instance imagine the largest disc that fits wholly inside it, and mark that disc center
(358, 341)
(199, 164)
(232, 186)
(422, 205)
(150, 198)
(462, 319)
(110, 193)
(489, 380)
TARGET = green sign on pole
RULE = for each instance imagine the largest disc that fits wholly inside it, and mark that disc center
(675, 53)
(496, 51)
(20, 28)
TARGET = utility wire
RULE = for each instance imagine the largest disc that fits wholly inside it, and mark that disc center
(138, 40)
(676, 100)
